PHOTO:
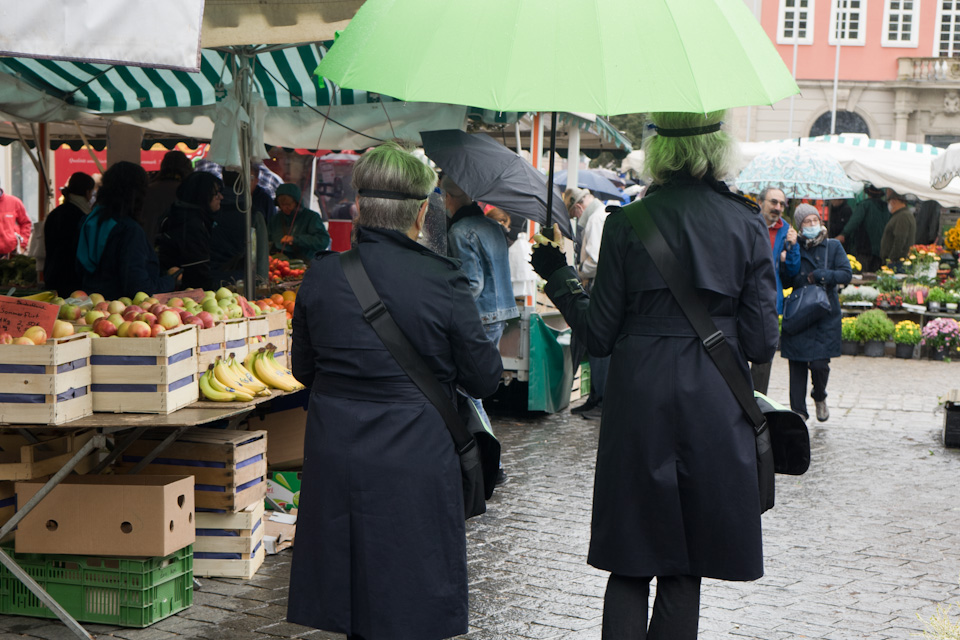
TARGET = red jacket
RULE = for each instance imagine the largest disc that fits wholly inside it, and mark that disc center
(13, 221)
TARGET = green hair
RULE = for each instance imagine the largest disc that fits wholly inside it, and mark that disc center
(391, 167)
(708, 155)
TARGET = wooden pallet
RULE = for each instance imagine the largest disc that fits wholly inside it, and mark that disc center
(48, 383)
(146, 375)
(229, 448)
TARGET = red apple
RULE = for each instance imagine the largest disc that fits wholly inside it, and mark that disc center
(6, 338)
(149, 318)
(175, 302)
(115, 306)
(78, 294)
(194, 320)
(104, 327)
(36, 334)
(155, 330)
(208, 319)
(130, 316)
(184, 313)
(123, 330)
(134, 307)
(102, 306)
(139, 329)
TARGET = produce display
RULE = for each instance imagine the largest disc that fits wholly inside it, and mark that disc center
(281, 269)
(278, 302)
(231, 381)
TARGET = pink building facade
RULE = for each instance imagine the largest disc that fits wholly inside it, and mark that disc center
(898, 75)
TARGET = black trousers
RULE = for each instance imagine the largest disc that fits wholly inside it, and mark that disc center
(760, 372)
(819, 373)
(676, 610)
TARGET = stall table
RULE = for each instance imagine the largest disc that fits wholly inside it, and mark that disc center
(135, 424)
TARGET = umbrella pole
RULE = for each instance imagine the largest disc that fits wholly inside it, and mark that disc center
(553, 146)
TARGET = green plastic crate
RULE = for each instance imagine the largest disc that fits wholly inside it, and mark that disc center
(128, 592)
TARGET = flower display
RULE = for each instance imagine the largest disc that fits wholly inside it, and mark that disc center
(854, 264)
(907, 332)
(848, 329)
(889, 299)
(951, 238)
(941, 334)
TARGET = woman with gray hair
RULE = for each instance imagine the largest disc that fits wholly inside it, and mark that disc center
(676, 494)
(823, 263)
(382, 552)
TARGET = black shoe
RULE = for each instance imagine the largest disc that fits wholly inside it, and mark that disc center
(593, 414)
(501, 477)
(586, 406)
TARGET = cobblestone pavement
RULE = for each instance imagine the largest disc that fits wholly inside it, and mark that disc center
(856, 548)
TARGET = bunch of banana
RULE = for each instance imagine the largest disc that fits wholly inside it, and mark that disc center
(231, 373)
(213, 389)
(43, 296)
(263, 364)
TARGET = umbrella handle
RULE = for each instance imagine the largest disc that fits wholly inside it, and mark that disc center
(553, 146)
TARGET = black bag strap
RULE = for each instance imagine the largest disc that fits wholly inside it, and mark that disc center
(376, 314)
(682, 288)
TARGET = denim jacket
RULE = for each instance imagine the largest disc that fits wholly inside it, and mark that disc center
(478, 243)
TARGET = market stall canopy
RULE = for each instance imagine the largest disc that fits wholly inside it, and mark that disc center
(242, 22)
(301, 112)
(597, 134)
(901, 166)
(136, 32)
(945, 167)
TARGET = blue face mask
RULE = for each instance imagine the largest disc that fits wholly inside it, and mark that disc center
(810, 232)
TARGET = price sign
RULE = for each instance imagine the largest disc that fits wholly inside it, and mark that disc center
(17, 314)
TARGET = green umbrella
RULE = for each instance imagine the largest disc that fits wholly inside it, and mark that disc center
(605, 57)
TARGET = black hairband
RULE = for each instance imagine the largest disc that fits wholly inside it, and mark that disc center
(682, 133)
(389, 195)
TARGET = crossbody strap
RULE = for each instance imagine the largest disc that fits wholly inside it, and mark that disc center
(376, 314)
(682, 288)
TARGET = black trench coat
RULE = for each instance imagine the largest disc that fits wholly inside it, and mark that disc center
(676, 480)
(381, 548)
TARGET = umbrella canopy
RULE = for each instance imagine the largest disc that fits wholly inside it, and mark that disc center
(592, 180)
(945, 167)
(799, 173)
(492, 173)
(697, 55)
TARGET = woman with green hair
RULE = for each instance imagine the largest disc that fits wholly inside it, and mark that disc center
(676, 493)
(296, 231)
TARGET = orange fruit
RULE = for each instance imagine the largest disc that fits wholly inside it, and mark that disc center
(289, 296)
(277, 298)
(289, 305)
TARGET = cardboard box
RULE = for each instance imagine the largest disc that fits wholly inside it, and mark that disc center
(283, 487)
(129, 516)
(285, 432)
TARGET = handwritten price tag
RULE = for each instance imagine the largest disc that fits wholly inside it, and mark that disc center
(17, 314)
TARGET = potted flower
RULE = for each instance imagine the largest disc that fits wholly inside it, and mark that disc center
(907, 336)
(849, 340)
(936, 298)
(942, 335)
(874, 328)
(953, 298)
(889, 301)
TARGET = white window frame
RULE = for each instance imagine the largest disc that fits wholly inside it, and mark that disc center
(861, 38)
(936, 33)
(781, 17)
(914, 30)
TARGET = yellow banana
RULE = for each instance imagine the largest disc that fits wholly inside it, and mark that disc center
(43, 296)
(225, 375)
(245, 377)
(248, 361)
(285, 373)
(212, 394)
(269, 375)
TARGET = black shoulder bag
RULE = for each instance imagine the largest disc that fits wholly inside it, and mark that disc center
(478, 449)
(783, 454)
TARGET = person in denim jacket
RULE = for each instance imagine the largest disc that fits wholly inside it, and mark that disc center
(479, 244)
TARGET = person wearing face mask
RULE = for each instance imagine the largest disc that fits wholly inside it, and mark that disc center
(901, 229)
(786, 258)
(823, 262)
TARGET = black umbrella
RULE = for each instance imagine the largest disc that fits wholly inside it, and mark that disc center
(492, 173)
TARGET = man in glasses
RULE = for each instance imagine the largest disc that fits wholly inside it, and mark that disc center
(783, 243)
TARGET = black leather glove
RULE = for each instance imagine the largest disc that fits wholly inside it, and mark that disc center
(546, 259)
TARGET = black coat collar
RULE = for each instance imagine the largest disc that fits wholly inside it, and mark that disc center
(685, 179)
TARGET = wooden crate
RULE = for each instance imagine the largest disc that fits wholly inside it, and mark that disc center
(234, 474)
(22, 460)
(210, 346)
(236, 338)
(146, 375)
(257, 330)
(48, 383)
(229, 545)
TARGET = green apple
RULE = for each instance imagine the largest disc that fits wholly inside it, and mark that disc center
(140, 297)
(234, 311)
(210, 305)
(224, 293)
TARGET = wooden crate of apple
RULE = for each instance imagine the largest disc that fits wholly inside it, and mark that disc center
(45, 380)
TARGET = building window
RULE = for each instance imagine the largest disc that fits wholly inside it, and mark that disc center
(900, 20)
(848, 20)
(795, 22)
(948, 29)
(847, 122)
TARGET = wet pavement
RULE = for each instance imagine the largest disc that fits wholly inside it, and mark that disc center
(856, 548)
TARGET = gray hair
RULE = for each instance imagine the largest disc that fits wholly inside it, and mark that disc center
(763, 194)
(452, 189)
(710, 155)
(391, 167)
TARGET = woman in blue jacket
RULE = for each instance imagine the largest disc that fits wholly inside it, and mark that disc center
(823, 262)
